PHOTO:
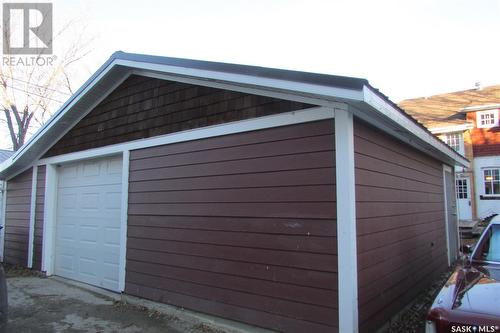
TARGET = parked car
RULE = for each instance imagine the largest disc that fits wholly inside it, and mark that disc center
(470, 299)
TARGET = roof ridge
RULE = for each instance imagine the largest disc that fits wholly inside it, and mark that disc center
(451, 93)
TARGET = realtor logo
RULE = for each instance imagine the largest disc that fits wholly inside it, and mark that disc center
(27, 28)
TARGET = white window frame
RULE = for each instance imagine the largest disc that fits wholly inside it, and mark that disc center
(483, 181)
(462, 188)
(451, 136)
(492, 114)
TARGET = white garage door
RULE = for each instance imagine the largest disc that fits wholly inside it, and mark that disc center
(87, 245)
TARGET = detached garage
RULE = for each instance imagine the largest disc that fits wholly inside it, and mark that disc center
(286, 200)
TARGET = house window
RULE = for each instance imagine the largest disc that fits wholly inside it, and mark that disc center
(487, 119)
(462, 189)
(492, 181)
(455, 140)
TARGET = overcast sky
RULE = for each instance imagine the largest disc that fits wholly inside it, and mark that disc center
(404, 48)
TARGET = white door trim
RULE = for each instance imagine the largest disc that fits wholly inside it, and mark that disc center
(49, 226)
(32, 216)
(4, 215)
(446, 168)
(346, 222)
(464, 205)
(123, 220)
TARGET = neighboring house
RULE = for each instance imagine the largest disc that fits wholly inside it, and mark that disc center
(287, 200)
(4, 155)
(468, 122)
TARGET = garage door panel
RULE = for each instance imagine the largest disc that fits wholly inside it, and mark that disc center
(66, 263)
(112, 200)
(89, 235)
(111, 236)
(90, 200)
(88, 222)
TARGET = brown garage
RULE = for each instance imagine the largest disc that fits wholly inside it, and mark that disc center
(242, 192)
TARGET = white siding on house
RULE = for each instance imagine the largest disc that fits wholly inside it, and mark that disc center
(485, 207)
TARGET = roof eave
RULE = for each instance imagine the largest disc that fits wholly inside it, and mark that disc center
(480, 108)
(120, 65)
(408, 129)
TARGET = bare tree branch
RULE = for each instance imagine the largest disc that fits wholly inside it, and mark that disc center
(30, 94)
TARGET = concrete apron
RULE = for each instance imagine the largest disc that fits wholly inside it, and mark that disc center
(193, 318)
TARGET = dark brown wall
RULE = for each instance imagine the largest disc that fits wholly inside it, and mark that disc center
(400, 224)
(39, 209)
(144, 107)
(17, 219)
(239, 226)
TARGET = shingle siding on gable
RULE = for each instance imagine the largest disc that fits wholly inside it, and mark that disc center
(145, 107)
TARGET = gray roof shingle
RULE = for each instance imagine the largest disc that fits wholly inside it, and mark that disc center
(5, 154)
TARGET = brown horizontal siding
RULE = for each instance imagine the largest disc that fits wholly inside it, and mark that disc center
(400, 224)
(145, 107)
(240, 226)
(39, 210)
(486, 150)
(17, 218)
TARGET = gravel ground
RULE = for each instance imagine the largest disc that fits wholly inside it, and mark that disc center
(18, 271)
(412, 319)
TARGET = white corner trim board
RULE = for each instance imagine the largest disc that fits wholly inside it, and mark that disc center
(346, 222)
(31, 237)
(49, 219)
(123, 220)
(284, 119)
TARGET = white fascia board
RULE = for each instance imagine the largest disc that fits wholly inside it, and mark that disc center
(283, 119)
(5, 164)
(247, 80)
(451, 128)
(480, 108)
(261, 91)
(203, 77)
(387, 110)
